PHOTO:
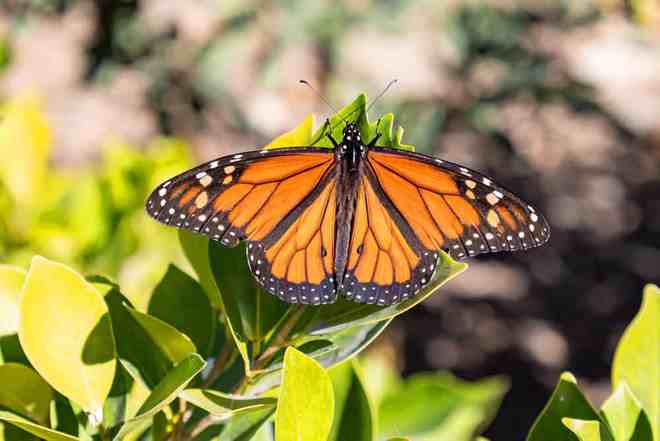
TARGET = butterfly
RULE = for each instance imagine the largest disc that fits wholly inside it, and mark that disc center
(359, 219)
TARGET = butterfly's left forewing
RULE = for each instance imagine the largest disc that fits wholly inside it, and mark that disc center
(450, 207)
(280, 201)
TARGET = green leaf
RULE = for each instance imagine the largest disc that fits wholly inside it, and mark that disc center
(66, 334)
(306, 403)
(11, 351)
(345, 314)
(566, 402)
(242, 427)
(637, 357)
(159, 427)
(585, 430)
(181, 302)
(149, 344)
(35, 429)
(356, 111)
(328, 350)
(399, 439)
(225, 406)
(440, 406)
(625, 416)
(63, 417)
(23, 391)
(354, 416)
(165, 392)
(11, 282)
(196, 249)
(250, 312)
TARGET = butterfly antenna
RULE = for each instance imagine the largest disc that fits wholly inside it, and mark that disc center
(318, 94)
(380, 95)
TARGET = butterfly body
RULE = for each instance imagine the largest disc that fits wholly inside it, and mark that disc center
(359, 219)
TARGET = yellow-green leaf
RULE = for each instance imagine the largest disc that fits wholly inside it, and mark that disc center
(637, 357)
(25, 139)
(165, 392)
(23, 391)
(585, 430)
(225, 406)
(306, 405)
(300, 136)
(625, 416)
(66, 333)
(11, 282)
(35, 429)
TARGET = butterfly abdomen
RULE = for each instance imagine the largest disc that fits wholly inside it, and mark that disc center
(347, 182)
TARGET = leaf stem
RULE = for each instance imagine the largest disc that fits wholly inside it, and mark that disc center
(219, 364)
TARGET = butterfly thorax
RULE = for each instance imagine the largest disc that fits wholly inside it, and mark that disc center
(351, 148)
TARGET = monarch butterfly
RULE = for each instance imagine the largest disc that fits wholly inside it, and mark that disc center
(361, 219)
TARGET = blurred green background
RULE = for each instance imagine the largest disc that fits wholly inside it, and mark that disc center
(558, 100)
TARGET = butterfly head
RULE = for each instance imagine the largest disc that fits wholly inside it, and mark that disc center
(351, 134)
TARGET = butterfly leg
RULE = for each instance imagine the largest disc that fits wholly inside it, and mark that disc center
(373, 141)
(335, 144)
(326, 124)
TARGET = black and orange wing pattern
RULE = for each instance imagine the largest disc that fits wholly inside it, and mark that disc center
(386, 261)
(454, 208)
(281, 201)
(410, 206)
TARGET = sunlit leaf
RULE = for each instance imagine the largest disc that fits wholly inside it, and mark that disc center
(300, 136)
(566, 402)
(356, 112)
(225, 406)
(35, 429)
(25, 139)
(165, 392)
(66, 333)
(23, 391)
(306, 403)
(625, 416)
(344, 313)
(354, 416)
(181, 302)
(585, 430)
(11, 283)
(637, 357)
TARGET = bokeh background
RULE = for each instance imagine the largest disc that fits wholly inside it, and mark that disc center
(558, 100)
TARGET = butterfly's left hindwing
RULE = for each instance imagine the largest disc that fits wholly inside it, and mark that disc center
(273, 200)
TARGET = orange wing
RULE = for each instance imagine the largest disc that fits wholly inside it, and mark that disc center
(386, 262)
(453, 208)
(281, 201)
